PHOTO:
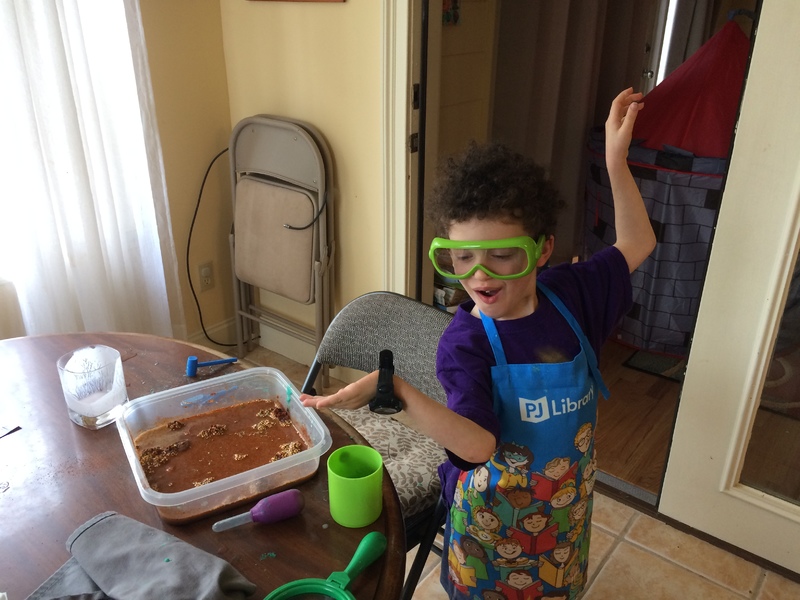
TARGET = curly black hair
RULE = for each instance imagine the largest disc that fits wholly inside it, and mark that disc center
(492, 181)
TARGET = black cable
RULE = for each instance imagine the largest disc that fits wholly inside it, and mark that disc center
(316, 217)
(188, 246)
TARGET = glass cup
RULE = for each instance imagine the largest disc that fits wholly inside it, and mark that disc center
(93, 385)
(355, 485)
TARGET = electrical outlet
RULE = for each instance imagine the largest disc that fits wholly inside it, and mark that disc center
(206, 271)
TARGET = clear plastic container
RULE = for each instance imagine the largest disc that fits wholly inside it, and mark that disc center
(196, 398)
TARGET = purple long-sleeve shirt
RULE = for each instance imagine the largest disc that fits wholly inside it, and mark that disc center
(597, 292)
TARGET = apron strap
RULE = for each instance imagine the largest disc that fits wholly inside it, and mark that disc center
(587, 347)
(494, 340)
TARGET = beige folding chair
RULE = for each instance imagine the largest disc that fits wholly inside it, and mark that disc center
(282, 236)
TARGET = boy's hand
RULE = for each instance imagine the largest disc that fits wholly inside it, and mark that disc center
(355, 395)
(619, 125)
(635, 237)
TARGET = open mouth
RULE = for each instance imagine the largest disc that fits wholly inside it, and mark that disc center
(487, 293)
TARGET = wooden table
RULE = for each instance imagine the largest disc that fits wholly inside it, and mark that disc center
(55, 475)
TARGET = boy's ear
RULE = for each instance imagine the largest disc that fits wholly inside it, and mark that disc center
(547, 251)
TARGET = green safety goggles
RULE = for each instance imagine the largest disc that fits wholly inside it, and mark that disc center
(509, 258)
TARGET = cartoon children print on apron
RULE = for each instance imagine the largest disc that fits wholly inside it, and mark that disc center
(520, 523)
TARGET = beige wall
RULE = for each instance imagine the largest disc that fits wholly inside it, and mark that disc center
(11, 324)
(184, 46)
(214, 62)
(320, 63)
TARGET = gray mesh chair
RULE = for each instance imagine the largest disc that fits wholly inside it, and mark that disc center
(411, 330)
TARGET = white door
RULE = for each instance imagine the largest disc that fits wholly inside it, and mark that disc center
(752, 258)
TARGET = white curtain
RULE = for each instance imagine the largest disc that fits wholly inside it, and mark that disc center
(84, 224)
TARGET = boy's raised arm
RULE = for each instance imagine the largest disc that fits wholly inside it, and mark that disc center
(635, 237)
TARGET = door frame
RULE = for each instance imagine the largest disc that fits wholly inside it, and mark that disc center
(402, 55)
(751, 261)
(396, 118)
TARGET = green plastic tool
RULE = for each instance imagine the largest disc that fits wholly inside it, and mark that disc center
(371, 547)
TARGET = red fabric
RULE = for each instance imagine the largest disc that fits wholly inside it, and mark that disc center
(695, 107)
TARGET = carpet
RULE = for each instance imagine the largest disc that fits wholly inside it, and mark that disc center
(663, 365)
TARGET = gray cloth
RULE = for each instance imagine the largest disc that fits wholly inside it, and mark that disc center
(115, 557)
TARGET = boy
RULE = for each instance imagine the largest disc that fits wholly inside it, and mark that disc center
(518, 361)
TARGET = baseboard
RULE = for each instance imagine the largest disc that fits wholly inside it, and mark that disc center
(276, 341)
(286, 345)
(647, 498)
(224, 332)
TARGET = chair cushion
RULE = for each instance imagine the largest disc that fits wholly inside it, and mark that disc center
(411, 458)
(267, 254)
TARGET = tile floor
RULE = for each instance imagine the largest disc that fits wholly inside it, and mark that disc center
(633, 556)
(636, 557)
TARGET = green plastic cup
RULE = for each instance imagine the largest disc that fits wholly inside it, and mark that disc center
(355, 485)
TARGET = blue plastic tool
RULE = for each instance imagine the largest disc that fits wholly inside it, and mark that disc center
(192, 364)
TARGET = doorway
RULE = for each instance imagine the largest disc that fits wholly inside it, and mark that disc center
(511, 72)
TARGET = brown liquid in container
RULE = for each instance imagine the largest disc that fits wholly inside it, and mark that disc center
(180, 455)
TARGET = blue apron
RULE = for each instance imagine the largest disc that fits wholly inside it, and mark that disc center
(519, 524)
